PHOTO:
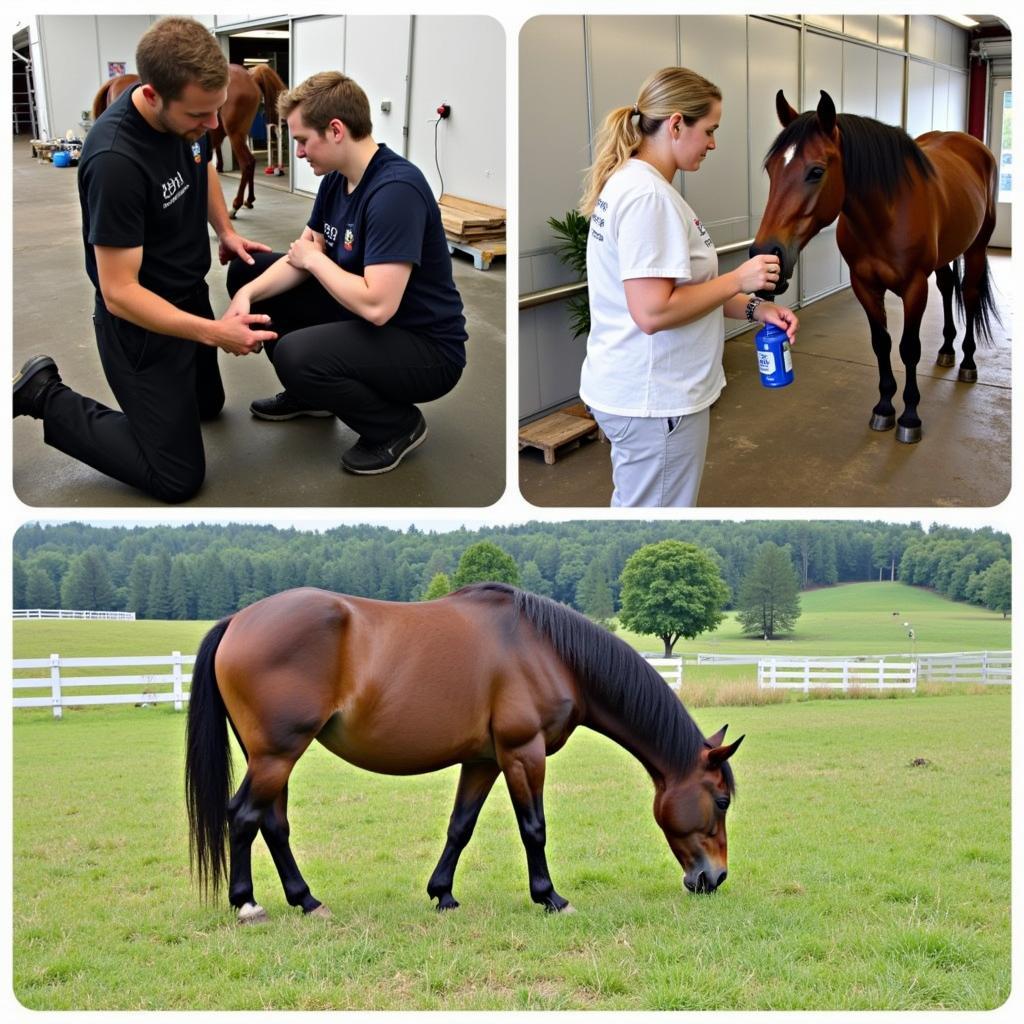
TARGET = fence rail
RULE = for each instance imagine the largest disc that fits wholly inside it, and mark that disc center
(670, 669)
(57, 682)
(67, 613)
(817, 674)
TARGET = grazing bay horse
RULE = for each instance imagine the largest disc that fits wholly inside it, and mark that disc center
(907, 208)
(234, 119)
(490, 677)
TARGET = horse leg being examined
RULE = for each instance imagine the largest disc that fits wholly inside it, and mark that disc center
(263, 783)
(523, 767)
(915, 298)
(276, 831)
(945, 278)
(872, 300)
(475, 782)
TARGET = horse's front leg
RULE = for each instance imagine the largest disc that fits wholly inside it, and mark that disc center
(475, 782)
(945, 278)
(523, 767)
(871, 296)
(915, 298)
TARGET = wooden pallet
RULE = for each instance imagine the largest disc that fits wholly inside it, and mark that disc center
(483, 251)
(557, 434)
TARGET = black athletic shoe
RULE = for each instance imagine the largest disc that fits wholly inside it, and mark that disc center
(282, 407)
(381, 458)
(31, 383)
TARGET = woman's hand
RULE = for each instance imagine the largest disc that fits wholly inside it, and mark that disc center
(780, 316)
(240, 305)
(761, 274)
(303, 252)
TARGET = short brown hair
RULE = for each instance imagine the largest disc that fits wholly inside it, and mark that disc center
(328, 95)
(174, 52)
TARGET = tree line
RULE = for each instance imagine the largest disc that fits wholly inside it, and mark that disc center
(205, 571)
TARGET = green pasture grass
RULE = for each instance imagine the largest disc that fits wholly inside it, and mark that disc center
(857, 619)
(857, 879)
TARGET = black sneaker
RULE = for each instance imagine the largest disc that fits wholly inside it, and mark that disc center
(282, 407)
(367, 459)
(31, 383)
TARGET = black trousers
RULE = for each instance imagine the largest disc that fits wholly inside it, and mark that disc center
(370, 377)
(164, 386)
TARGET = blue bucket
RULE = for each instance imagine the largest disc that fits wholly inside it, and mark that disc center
(61, 158)
(773, 357)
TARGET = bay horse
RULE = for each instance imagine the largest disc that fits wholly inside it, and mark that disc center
(907, 208)
(490, 677)
(234, 119)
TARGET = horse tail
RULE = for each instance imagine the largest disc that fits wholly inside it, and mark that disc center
(958, 285)
(207, 768)
(271, 85)
(988, 312)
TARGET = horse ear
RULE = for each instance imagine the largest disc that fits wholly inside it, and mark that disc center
(716, 740)
(827, 113)
(787, 115)
(719, 755)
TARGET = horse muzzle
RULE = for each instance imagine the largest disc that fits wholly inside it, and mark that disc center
(785, 266)
(706, 881)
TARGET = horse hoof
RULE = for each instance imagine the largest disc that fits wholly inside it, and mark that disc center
(252, 913)
(446, 903)
(908, 435)
(567, 909)
(249, 206)
(967, 376)
(233, 214)
(320, 911)
(879, 422)
(945, 359)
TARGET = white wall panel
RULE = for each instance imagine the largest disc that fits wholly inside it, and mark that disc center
(377, 57)
(921, 36)
(460, 60)
(318, 44)
(920, 97)
(889, 93)
(861, 26)
(554, 137)
(860, 80)
(892, 30)
(823, 70)
(956, 115)
(940, 100)
(716, 47)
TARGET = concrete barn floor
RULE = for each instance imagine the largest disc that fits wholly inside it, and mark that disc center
(249, 462)
(809, 445)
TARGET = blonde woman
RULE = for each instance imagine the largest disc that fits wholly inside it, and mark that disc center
(654, 353)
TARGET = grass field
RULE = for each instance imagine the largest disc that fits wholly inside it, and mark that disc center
(856, 880)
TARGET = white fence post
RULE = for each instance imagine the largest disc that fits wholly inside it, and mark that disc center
(55, 685)
(176, 655)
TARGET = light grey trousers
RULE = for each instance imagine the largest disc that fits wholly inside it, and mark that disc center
(656, 462)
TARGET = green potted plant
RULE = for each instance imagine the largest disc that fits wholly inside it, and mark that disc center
(572, 232)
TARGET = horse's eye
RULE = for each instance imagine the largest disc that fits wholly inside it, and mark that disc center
(722, 803)
(815, 174)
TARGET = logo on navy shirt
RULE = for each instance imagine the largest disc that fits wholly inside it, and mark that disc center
(330, 234)
(197, 153)
(349, 238)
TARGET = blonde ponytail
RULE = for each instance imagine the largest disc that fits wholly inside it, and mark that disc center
(668, 91)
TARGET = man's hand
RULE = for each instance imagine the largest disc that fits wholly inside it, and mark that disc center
(232, 244)
(239, 334)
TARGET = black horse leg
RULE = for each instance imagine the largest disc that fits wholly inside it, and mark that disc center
(524, 775)
(276, 831)
(262, 784)
(475, 783)
(945, 279)
(872, 299)
(915, 298)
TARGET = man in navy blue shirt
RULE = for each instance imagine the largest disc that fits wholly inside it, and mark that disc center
(369, 320)
(147, 191)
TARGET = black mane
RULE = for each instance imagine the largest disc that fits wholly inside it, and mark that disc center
(876, 156)
(614, 676)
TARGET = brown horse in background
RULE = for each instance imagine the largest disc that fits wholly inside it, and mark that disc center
(234, 119)
(907, 208)
(491, 677)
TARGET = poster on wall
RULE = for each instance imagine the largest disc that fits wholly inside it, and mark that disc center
(116, 67)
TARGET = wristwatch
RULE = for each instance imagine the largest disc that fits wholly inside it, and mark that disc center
(752, 305)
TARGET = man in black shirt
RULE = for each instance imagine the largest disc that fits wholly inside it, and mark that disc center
(371, 322)
(147, 190)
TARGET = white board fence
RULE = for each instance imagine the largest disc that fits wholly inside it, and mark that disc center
(69, 613)
(57, 682)
(670, 669)
(814, 674)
